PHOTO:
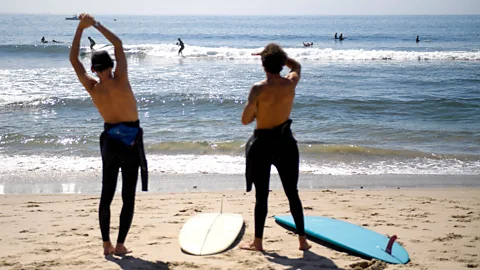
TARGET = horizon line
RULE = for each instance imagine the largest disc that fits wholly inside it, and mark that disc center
(239, 15)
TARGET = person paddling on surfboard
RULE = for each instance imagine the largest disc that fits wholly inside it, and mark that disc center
(270, 102)
(121, 143)
(92, 43)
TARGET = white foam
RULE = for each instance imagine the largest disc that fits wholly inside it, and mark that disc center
(68, 188)
(224, 164)
(170, 51)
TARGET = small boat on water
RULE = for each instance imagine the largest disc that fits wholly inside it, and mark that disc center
(74, 17)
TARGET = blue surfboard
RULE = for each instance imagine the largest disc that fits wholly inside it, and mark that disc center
(351, 237)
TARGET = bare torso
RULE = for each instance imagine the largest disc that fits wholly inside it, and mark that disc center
(115, 101)
(275, 101)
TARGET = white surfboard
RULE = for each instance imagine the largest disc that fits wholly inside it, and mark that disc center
(210, 233)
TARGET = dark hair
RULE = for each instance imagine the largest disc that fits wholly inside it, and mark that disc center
(101, 61)
(273, 58)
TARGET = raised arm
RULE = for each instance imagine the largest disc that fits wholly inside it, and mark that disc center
(121, 67)
(87, 81)
(295, 69)
(250, 111)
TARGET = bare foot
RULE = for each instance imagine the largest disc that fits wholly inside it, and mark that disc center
(256, 245)
(108, 248)
(304, 245)
(121, 250)
(250, 246)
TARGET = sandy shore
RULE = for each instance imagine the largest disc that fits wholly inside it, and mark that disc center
(440, 228)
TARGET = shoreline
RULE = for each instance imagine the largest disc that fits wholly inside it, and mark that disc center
(439, 227)
(90, 183)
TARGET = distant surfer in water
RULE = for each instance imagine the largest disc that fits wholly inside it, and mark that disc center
(341, 36)
(335, 36)
(92, 42)
(182, 46)
(270, 103)
(43, 40)
(121, 143)
(418, 39)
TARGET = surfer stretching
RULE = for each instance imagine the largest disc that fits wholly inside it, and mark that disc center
(121, 143)
(270, 102)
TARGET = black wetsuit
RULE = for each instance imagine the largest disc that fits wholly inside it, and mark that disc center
(277, 147)
(122, 147)
(182, 46)
(92, 43)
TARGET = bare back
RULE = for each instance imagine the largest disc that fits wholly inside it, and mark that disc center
(115, 101)
(275, 101)
(270, 101)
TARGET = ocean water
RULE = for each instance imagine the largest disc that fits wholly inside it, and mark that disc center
(375, 103)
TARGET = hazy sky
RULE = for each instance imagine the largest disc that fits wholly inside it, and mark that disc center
(244, 7)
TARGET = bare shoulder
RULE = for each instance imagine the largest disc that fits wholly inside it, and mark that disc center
(260, 83)
(259, 86)
(121, 82)
(293, 77)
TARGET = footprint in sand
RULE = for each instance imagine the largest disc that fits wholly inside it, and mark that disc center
(463, 218)
(449, 237)
(373, 264)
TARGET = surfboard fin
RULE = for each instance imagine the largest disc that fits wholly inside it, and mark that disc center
(390, 244)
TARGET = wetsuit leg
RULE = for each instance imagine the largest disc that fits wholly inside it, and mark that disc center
(129, 184)
(262, 184)
(287, 163)
(259, 169)
(110, 166)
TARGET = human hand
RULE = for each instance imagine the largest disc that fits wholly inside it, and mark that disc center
(86, 20)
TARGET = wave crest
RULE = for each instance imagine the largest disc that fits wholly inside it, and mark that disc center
(227, 53)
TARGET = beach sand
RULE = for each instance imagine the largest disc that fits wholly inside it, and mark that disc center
(439, 227)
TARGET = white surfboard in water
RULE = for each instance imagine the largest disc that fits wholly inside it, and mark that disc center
(210, 233)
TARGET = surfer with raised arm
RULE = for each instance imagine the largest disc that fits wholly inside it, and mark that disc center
(121, 143)
(270, 103)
